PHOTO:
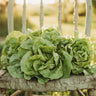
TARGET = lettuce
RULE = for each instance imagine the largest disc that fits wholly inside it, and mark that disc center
(10, 49)
(82, 55)
(46, 55)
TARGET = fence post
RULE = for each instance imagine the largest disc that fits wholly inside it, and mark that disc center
(10, 16)
(41, 14)
(88, 17)
(76, 33)
(60, 16)
(24, 18)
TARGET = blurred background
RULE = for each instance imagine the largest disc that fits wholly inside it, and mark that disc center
(50, 19)
(50, 16)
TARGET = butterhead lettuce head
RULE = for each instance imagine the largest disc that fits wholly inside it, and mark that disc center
(46, 55)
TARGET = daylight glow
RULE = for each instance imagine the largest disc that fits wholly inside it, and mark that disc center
(35, 1)
(81, 1)
(44, 1)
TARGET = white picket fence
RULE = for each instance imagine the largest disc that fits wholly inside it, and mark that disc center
(88, 16)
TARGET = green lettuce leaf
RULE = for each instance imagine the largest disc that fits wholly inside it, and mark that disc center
(15, 71)
(67, 65)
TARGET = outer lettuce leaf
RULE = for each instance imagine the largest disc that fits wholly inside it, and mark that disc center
(36, 33)
(56, 57)
(27, 44)
(22, 52)
(27, 77)
(67, 65)
(42, 80)
(14, 71)
(23, 63)
(14, 58)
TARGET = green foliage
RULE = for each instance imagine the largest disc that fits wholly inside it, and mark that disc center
(46, 55)
(1, 47)
(2, 8)
(94, 5)
(95, 52)
(68, 10)
(49, 10)
(11, 91)
(82, 9)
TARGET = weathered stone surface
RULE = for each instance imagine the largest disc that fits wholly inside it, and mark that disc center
(71, 83)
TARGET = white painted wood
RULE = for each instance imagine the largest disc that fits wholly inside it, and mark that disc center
(10, 16)
(41, 14)
(88, 17)
(76, 15)
(60, 16)
(24, 18)
(76, 32)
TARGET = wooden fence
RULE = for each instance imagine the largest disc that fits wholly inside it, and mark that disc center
(74, 83)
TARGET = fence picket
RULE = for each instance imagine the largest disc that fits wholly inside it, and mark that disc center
(76, 32)
(88, 17)
(60, 16)
(24, 18)
(41, 14)
(10, 16)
